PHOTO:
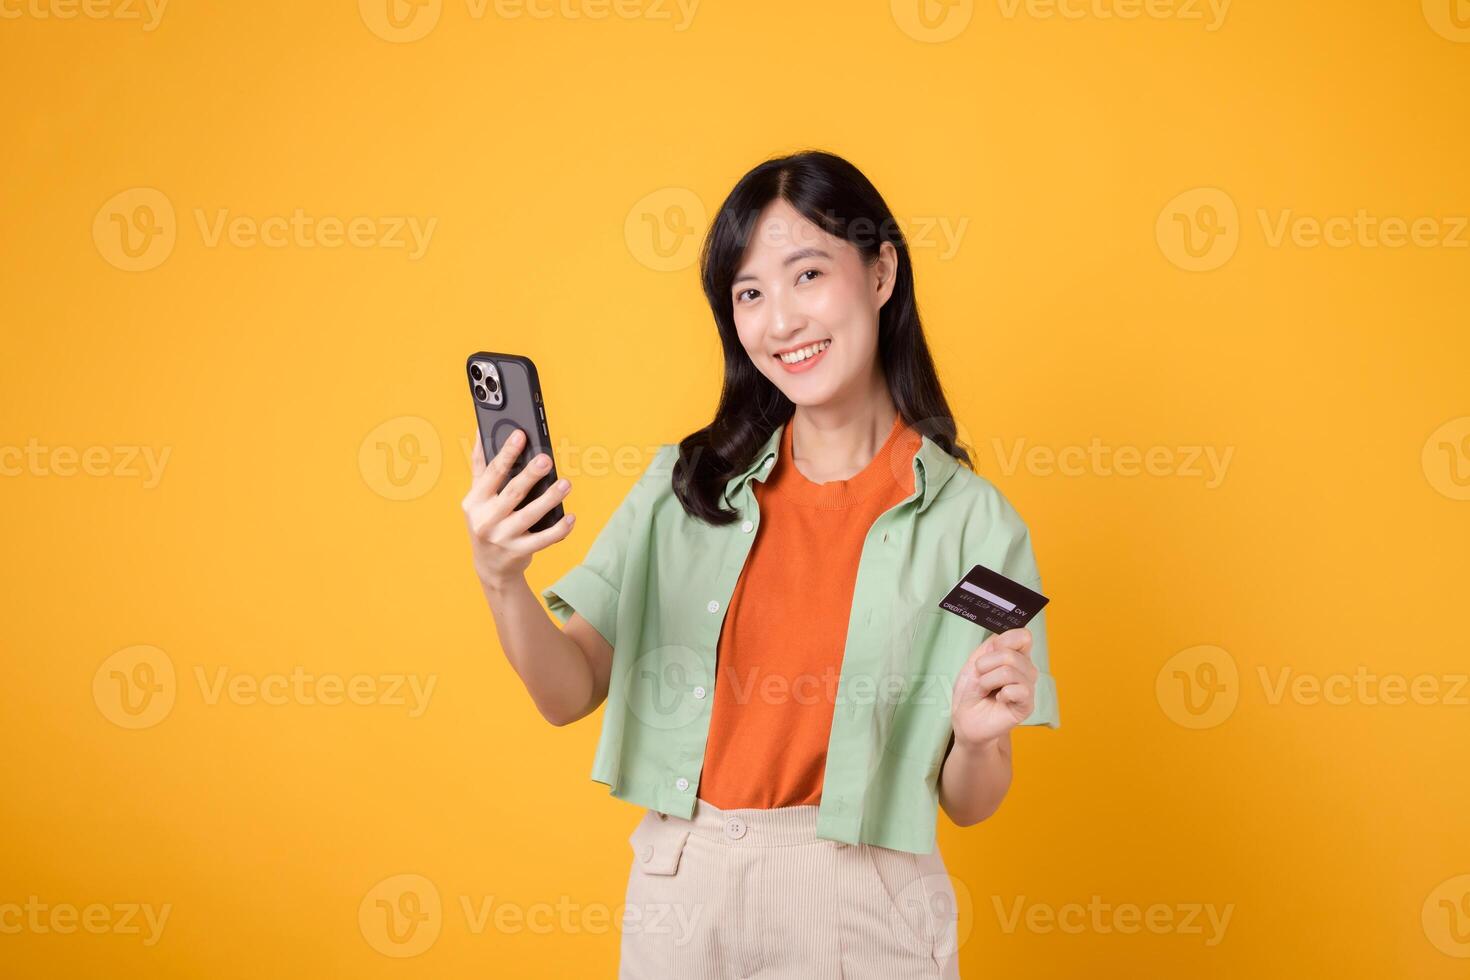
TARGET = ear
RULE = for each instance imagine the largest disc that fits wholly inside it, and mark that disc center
(884, 271)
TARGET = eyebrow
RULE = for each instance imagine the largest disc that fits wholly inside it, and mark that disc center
(797, 256)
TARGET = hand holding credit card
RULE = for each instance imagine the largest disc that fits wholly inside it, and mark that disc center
(991, 600)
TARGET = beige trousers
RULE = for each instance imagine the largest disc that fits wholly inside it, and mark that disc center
(736, 894)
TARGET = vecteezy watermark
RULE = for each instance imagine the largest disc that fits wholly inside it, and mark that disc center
(1206, 920)
(1200, 229)
(1450, 19)
(96, 918)
(1200, 687)
(1363, 686)
(136, 230)
(936, 21)
(1446, 916)
(148, 13)
(137, 687)
(405, 21)
(1210, 13)
(1207, 463)
(664, 229)
(400, 459)
(404, 914)
(594, 462)
(932, 21)
(1446, 458)
(121, 462)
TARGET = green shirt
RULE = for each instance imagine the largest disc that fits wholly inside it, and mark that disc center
(656, 584)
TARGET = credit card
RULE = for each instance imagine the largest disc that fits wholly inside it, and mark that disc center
(991, 600)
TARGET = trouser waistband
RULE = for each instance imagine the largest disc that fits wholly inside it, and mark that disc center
(752, 826)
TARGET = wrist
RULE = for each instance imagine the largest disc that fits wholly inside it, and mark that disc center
(499, 586)
(987, 745)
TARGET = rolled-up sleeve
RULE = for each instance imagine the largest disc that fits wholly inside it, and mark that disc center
(1020, 566)
(594, 587)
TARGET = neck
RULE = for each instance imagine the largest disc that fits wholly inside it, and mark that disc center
(837, 440)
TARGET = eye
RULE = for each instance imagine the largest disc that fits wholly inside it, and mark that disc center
(740, 297)
(809, 272)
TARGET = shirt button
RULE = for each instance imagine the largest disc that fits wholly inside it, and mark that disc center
(699, 692)
(682, 783)
(713, 606)
(748, 526)
(734, 828)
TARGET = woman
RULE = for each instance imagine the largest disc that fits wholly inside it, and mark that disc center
(785, 698)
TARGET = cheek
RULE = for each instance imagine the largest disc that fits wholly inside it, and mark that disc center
(839, 304)
(750, 328)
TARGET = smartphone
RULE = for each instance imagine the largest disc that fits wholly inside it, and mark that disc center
(507, 394)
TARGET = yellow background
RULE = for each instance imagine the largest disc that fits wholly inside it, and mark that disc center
(1334, 833)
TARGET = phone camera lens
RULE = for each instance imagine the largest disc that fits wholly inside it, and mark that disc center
(492, 384)
(476, 373)
(480, 392)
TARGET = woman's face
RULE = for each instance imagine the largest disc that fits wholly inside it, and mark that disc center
(812, 296)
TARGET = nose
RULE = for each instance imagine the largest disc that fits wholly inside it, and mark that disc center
(786, 314)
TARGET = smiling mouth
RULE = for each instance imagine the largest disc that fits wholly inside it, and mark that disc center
(804, 353)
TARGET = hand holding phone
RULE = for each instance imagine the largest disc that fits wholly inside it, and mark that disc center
(513, 507)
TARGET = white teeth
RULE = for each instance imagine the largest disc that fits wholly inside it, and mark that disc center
(797, 356)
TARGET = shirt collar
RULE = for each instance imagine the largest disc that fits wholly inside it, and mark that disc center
(932, 468)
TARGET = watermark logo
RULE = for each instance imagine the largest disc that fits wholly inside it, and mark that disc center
(932, 21)
(667, 687)
(136, 229)
(1198, 687)
(401, 916)
(1199, 230)
(943, 904)
(400, 21)
(1446, 458)
(663, 229)
(1446, 917)
(401, 458)
(1450, 19)
(135, 687)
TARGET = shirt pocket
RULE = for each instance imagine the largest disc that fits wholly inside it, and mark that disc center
(657, 846)
(939, 644)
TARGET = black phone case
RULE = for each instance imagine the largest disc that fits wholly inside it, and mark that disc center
(522, 409)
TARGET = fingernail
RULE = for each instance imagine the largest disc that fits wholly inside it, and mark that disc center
(571, 518)
(542, 462)
(562, 484)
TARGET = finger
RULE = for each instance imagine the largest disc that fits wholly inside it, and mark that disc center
(989, 661)
(1018, 697)
(548, 536)
(477, 458)
(1018, 639)
(488, 481)
(513, 492)
(994, 680)
(521, 520)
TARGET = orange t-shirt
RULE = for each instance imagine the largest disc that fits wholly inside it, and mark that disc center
(779, 655)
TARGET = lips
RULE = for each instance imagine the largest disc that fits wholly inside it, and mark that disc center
(807, 363)
(823, 343)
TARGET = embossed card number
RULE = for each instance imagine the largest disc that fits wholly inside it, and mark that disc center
(991, 600)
